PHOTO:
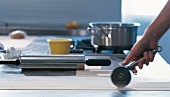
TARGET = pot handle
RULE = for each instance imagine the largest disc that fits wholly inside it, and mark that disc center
(106, 30)
(98, 62)
(93, 30)
(90, 30)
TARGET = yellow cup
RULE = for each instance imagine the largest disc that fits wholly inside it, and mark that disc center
(59, 45)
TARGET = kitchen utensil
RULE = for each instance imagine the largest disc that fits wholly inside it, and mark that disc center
(98, 62)
(59, 45)
(70, 61)
(10, 61)
(121, 76)
(115, 34)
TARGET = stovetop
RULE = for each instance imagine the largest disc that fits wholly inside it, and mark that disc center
(79, 45)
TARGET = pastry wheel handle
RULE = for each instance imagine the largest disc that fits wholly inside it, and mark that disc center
(134, 64)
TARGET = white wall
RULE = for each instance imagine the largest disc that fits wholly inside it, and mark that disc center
(144, 11)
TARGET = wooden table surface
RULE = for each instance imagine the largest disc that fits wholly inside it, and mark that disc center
(154, 77)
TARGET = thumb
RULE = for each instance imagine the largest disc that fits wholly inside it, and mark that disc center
(127, 59)
(125, 62)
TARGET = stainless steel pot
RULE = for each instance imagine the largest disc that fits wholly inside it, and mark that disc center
(115, 34)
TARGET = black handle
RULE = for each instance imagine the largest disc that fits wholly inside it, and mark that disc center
(98, 62)
(10, 61)
(2, 51)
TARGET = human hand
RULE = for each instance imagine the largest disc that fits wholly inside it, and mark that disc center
(142, 48)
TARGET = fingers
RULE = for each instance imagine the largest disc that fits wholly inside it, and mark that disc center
(148, 56)
(140, 64)
(151, 56)
(134, 71)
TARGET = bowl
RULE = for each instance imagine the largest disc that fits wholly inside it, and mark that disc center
(59, 45)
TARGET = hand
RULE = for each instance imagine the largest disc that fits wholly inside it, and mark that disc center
(141, 48)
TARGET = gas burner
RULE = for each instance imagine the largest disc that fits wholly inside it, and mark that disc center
(109, 48)
(112, 49)
(80, 46)
(76, 51)
(84, 46)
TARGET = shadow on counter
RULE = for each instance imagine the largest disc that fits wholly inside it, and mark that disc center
(48, 72)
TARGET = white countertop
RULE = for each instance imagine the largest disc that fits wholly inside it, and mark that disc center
(152, 77)
(17, 43)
